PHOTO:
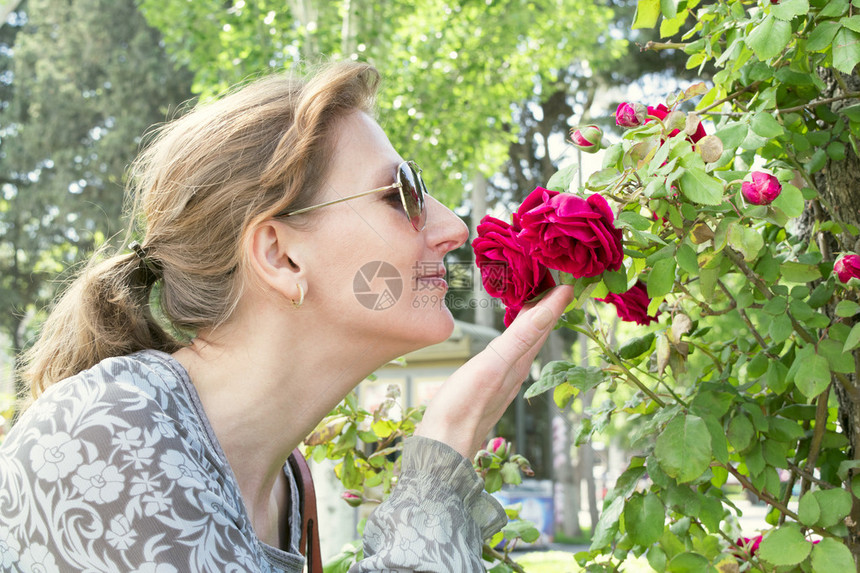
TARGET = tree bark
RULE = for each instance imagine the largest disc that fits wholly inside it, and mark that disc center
(838, 185)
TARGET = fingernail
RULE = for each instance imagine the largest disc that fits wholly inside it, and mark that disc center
(542, 318)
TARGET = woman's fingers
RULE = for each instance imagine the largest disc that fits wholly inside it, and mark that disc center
(520, 343)
(470, 402)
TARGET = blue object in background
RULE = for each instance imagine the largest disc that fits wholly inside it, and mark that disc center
(536, 497)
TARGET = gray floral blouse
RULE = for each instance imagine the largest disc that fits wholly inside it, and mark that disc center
(117, 469)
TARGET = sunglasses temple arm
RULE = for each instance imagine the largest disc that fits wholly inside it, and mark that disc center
(341, 200)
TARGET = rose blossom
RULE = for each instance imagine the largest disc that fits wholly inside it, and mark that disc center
(498, 446)
(508, 271)
(632, 306)
(586, 138)
(762, 190)
(661, 111)
(749, 545)
(630, 114)
(570, 234)
(847, 267)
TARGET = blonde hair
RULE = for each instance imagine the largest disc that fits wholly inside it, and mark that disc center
(198, 186)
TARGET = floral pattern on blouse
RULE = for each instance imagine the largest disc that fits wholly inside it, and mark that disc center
(117, 469)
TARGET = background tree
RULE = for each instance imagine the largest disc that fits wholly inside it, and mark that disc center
(83, 81)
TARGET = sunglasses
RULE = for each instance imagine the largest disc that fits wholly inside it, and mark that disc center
(412, 192)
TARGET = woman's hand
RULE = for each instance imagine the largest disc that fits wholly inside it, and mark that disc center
(473, 399)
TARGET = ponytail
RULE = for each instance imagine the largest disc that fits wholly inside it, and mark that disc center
(105, 312)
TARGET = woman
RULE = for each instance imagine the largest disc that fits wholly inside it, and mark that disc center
(142, 452)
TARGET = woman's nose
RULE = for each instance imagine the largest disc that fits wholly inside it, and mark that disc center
(444, 229)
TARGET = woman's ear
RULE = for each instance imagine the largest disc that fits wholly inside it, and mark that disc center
(275, 260)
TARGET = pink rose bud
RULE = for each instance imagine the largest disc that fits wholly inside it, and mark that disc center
(352, 497)
(498, 446)
(630, 114)
(586, 138)
(847, 268)
(762, 190)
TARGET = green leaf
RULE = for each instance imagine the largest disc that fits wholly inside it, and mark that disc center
(647, 13)
(839, 361)
(616, 281)
(808, 510)
(834, 9)
(601, 179)
(561, 371)
(741, 432)
(669, 8)
(847, 308)
(687, 259)
(746, 240)
(635, 220)
(790, 201)
(661, 279)
(700, 187)
(521, 529)
(853, 339)
(769, 37)
(765, 125)
(733, 134)
(829, 555)
(780, 328)
(684, 448)
(687, 562)
(822, 36)
(784, 546)
(789, 9)
(644, 516)
(851, 22)
(636, 346)
(561, 179)
(607, 525)
(799, 273)
(846, 50)
(813, 376)
(835, 505)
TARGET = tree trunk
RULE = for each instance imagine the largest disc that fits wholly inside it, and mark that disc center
(838, 184)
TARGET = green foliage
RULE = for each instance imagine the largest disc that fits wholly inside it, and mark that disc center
(82, 82)
(438, 59)
(738, 378)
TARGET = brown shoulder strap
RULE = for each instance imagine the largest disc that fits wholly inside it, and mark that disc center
(310, 542)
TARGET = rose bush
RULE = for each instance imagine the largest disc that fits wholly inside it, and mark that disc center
(752, 373)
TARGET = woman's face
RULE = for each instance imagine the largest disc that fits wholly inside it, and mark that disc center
(375, 276)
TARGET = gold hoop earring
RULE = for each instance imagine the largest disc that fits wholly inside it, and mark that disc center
(301, 296)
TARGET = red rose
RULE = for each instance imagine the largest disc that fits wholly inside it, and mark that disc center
(570, 234)
(748, 545)
(630, 114)
(508, 271)
(847, 267)
(661, 111)
(632, 306)
(762, 190)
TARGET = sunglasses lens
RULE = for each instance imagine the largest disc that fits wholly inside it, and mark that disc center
(413, 190)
